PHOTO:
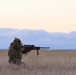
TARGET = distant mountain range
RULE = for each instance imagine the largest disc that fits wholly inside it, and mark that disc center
(54, 40)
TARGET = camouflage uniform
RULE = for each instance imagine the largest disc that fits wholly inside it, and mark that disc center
(14, 52)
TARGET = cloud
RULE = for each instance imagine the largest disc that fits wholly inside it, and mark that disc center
(54, 40)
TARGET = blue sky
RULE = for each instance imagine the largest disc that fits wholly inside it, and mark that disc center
(54, 40)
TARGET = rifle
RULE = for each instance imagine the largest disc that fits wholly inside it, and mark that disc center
(28, 48)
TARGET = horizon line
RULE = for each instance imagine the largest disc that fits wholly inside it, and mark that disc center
(39, 29)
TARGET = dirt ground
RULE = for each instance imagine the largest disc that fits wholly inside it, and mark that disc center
(47, 63)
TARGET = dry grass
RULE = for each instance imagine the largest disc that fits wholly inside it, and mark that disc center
(47, 63)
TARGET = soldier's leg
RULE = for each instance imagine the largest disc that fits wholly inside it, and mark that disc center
(10, 59)
(14, 60)
(18, 59)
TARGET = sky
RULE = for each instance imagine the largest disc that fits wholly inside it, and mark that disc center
(49, 15)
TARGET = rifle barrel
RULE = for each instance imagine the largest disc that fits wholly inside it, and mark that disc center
(44, 47)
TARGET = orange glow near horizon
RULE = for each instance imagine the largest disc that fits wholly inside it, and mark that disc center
(53, 26)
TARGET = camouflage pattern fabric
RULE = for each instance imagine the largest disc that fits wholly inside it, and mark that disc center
(14, 52)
